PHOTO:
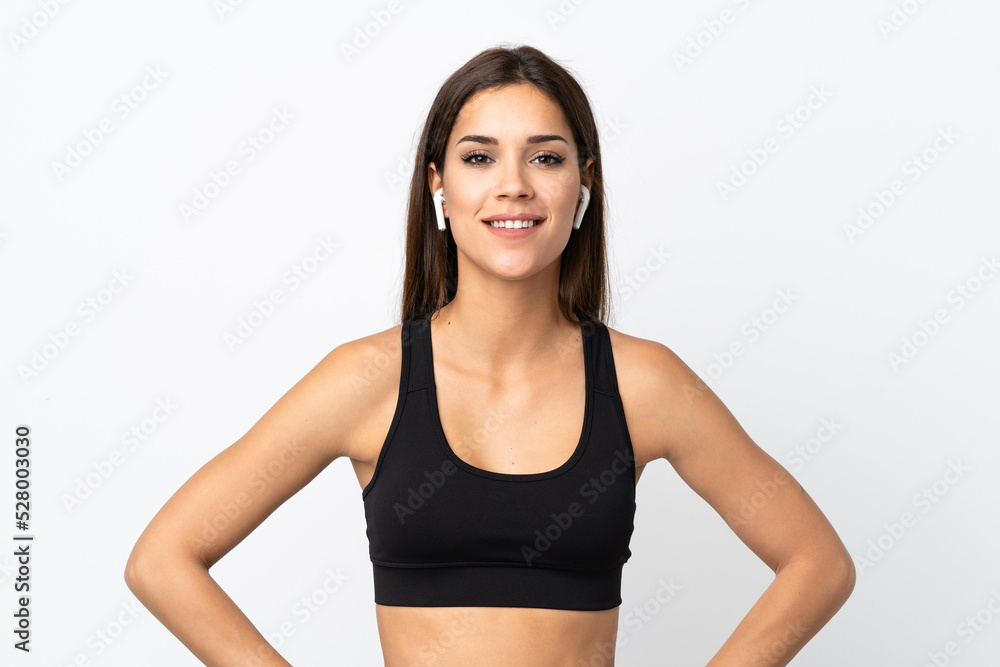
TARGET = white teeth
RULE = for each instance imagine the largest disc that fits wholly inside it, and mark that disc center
(513, 224)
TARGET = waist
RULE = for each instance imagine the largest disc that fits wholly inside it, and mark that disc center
(496, 636)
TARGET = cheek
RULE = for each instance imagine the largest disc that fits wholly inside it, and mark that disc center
(465, 229)
(462, 203)
(565, 197)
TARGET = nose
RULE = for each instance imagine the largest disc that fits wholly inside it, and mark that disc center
(512, 180)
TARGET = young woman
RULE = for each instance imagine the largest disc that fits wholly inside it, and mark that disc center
(499, 441)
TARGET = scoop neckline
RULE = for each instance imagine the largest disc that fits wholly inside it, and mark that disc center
(512, 477)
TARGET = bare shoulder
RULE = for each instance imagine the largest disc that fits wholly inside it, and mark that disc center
(650, 366)
(358, 381)
(657, 390)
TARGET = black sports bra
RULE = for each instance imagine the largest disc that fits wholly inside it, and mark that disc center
(443, 533)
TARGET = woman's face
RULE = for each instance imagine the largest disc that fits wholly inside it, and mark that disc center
(511, 154)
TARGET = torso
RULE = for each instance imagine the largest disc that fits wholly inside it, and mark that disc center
(547, 406)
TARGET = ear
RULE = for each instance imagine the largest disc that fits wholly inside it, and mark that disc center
(587, 177)
(434, 182)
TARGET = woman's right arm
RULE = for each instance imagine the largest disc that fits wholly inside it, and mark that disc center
(228, 497)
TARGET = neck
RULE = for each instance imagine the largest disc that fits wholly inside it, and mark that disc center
(504, 326)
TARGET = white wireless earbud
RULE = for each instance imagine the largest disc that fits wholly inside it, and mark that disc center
(584, 199)
(439, 207)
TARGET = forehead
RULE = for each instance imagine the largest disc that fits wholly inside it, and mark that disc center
(514, 111)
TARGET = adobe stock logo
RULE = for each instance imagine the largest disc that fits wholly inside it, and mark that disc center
(928, 329)
(424, 491)
(749, 507)
(381, 18)
(124, 106)
(786, 126)
(633, 281)
(968, 628)
(713, 29)
(806, 451)
(592, 490)
(88, 309)
(925, 500)
(219, 180)
(881, 201)
(899, 17)
(752, 329)
(32, 25)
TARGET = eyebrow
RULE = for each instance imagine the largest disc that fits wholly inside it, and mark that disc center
(533, 139)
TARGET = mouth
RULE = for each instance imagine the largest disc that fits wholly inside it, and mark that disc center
(513, 224)
(513, 229)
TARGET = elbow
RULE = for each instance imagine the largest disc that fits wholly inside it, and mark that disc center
(838, 577)
(152, 568)
(134, 571)
(848, 579)
(141, 570)
(831, 573)
(842, 573)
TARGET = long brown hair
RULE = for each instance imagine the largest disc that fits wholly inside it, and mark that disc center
(430, 278)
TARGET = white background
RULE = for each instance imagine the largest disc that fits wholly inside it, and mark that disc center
(895, 77)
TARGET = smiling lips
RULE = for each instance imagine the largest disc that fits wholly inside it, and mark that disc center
(513, 229)
(512, 224)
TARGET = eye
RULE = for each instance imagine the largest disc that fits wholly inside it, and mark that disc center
(470, 158)
(547, 159)
(553, 159)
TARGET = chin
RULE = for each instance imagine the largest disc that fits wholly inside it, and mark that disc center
(515, 270)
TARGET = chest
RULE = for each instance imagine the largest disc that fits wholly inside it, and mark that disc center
(525, 427)
(429, 507)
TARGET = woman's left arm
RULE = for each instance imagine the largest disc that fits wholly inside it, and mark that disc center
(676, 416)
